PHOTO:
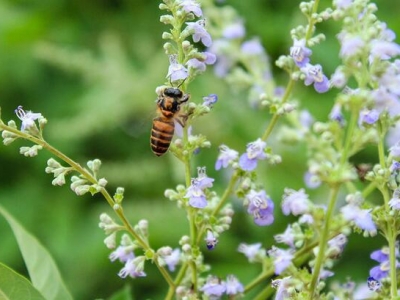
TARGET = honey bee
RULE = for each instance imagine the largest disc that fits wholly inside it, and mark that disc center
(168, 105)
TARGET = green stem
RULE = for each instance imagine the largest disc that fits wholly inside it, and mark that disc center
(311, 22)
(88, 176)
(323, 240)
(276, 116)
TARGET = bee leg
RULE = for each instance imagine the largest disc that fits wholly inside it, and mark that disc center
(182, 119)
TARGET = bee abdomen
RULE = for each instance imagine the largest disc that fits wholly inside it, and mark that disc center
(161, 135)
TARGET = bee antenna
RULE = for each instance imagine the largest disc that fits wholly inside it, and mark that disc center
(183, 81)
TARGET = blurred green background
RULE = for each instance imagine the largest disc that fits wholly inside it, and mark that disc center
(91, 68)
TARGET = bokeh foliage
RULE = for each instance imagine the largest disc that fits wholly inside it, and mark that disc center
(91, 68)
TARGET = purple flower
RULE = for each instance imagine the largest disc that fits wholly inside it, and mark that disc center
(211, 240)
(351, 45)
(252, 47)
(342, 4)
(173, 259)
(368, 116)
(295, 202)
(282, 288)
(300, 53)
(176, 71)
(336, 114)
(196, 196)
(191, 6)
(336, 245)
(338, 78)
(195, 193)
(287, 237)
(260, 207)
(199, 32)
(394, 151)
(395, 166)
(315, 76)
(27, 117)
(384, 50)
(254, 152)
(122, 253)
(373, 284)
(253, 252)
(200, 65)
(234, 31)
(361, 217)
(213, 287)
(233, 286)
(225, 157)
(210, 100)
(394, 203)
(282, 258)
(382, 270)
(133, 268)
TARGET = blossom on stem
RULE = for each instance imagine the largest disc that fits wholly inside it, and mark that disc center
(173, 259)
(253, 252)
(195, 192)
(27, 117)
(260, 207)
(394, 202)
(214, 287)
(254, 152)
(234, 31)
(176, 71)
(373, 284)
(368, 116)
(210, 100)
(191, 6)
(200, 65)
(233, 285)
(225, 157)
(361, 217)
(315, 76)
(199, 33)
(295, 202)
(211, 240)
(287, 237)
(133, 268)
(382, 257)
(282, 258)
(282, 286)
(300, 53)
(122, 253)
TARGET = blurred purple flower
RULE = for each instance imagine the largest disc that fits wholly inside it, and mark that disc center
(210, 100)
(233, 286)
(122, 253)
(252, 252)
(368, 116)
(200, 65)
(214, 287)
(361, 217)
(191, 6)
(350, 45)
(225, 157)
(133, 268)
(394, 202)
(173, 259)
(234, 31)
(383, 50)
(373, 284)
(295, 202)
(282, 258)
(252, 47)
(287, 237)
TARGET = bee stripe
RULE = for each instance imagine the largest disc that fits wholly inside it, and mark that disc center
(161, 135)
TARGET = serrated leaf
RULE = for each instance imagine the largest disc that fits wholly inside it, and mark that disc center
(13, 286)
(42, 269)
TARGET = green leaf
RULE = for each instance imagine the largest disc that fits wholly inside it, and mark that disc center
(123, 294)
(42, 269)
(13, 286)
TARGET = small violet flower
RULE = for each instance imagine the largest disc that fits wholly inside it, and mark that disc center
(199, 32)
(282, 258)
(233, 285)
(234, 31)
(260, 207)
(287, 237)
(214, 287)
(27, 117)
(133, 268)
(252, 252)
(252, 47)
(394, 151)
(373, 284)
(195, 193)
(191, 6)
(122, 253)
(173, 259)
(295, 202)
(282, 286)
(211, 240)
(315, 76)
(382, 257)
(361, 217)
(394, 203)
(200, 65)
(176, 71)
(368, 116)
(210, 100)
(225, 157)
(254, 152)
(300, 53)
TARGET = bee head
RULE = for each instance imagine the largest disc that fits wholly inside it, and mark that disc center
(173, 92)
